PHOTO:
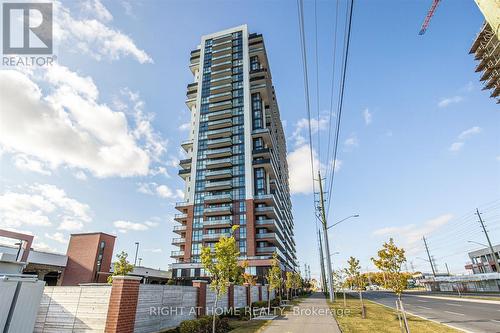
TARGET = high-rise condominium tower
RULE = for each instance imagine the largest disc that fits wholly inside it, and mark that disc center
(236, 172)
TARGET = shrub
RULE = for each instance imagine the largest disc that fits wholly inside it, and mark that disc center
(204, 325)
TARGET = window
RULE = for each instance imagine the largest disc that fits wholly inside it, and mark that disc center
(258, 143)
(260, 181)
(257, 111)
(254, 63)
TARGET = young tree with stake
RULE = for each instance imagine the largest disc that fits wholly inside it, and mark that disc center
(390, 260)
(289, 284)
(273, 277)
(222, 266)
(356, 279)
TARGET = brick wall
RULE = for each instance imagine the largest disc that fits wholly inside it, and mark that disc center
(123, 304)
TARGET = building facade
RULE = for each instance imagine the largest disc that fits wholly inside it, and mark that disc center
(89, 258)
(236, 171)
(482, 260)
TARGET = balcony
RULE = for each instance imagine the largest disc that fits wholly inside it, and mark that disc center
(218, 198)
(219, 223)
(216, 97)
(221, 50)
(226, 72)
(180, 217)
(215, 211)
(220, 115)
(220, 152)
(178, 229)
(181, 206)
(220, 105)
(185, 163)
(178, 241)
(261, 152)
(222, 65)
(268, 211)
(186, 145)
(215, 237)
(222, 123)
(268, 223)
(217, 186)
(218, 174)
(219, 58)
(220, 133)
(184, 173)
(268, 199)
(219, 163)
(270, 237)
(177, 254)
(221, 80)
(191, 101)
(219, 143)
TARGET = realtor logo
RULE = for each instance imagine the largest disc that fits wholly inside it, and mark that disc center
(27, 28)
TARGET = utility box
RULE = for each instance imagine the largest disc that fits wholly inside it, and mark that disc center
(20, 297)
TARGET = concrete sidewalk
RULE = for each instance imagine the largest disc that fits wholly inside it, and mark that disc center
(312, 315)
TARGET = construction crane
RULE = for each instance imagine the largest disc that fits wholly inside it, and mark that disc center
(427, 20)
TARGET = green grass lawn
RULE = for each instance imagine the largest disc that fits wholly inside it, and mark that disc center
(379, 319)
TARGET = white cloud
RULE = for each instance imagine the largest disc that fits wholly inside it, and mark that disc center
(444, 102)
(58, 237)
(456, 146)
(498, 158)
(367, 116)
(69, 127)
(124, 226)
(302, 126)
(163, 191)
(185, 127)
(41, 205)
(469, 132)
(466, 134)
(41, 246)
(95, 7)
(299, 167)
(351, 142)
(411, 235)
(92, 36)
(25, 163)
(80, 175)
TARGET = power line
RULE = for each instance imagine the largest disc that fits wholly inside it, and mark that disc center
(332, 87)
(317, 70)
(341, 102)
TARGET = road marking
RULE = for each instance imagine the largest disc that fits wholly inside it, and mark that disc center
(453, 304)
(420, 300)
(423, 307)
(455, 313)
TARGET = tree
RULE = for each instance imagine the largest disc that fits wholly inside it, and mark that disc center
(339, 282)
(273, 277)
(390, 260)
(247, 277)
(289, 284)
(297, 281)
(356, 280)
(222, 266)
(121, 267)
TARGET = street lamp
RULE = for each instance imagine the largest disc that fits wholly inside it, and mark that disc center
(346, 218)
(136, 251)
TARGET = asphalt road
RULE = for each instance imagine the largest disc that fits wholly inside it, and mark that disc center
(471, 316)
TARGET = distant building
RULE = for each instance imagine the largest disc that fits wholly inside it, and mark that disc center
(151, 275)
(89, 258)
(482, 260)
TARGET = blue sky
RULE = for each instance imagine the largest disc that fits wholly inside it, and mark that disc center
(419, 142)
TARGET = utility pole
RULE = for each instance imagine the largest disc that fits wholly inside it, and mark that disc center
(429, 256)
(495, 259)
(447, 269)
(323, 277)
(327, 245)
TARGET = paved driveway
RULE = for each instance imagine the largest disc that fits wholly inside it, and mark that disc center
(312, 315)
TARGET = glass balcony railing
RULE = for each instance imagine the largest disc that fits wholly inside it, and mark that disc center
(179, 240)
(177, 253)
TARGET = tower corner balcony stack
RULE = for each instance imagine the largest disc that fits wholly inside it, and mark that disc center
(235, 170)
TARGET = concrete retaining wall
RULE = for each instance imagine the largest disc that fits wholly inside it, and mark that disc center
(73, 309)
(240, 296)
(162, 307)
